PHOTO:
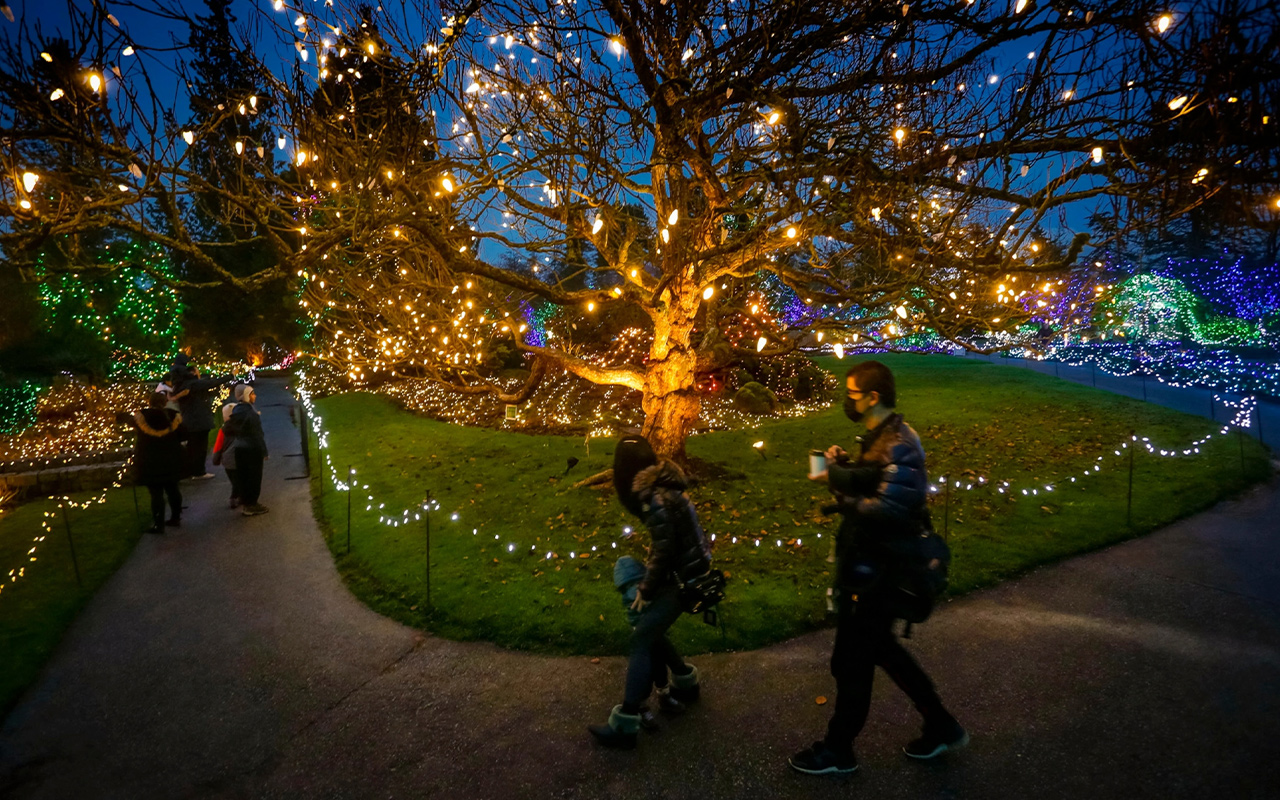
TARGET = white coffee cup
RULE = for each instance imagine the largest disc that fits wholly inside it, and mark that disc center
(817, 463)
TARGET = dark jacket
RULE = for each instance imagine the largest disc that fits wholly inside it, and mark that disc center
(196, 406)
(246, 427)
(679, 549)
(158, 454)
(883, 494)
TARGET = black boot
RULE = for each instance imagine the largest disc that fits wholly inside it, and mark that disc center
(668, 705)
(685, 688)
(620, 732)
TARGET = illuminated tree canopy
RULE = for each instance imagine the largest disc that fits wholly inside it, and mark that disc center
(897, 168)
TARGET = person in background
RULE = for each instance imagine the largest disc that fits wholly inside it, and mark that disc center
(654, 491)
(882, 494)
(250, 450)
(157, 458)
(197, 413)
(223, 453)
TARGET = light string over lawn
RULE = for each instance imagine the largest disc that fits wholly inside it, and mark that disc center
(395, 519)
(1239, 422)
(46, 525)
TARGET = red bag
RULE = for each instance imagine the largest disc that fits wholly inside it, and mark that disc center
(217, 449)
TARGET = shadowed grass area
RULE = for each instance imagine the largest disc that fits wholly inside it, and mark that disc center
(506, 503)
(37, 608)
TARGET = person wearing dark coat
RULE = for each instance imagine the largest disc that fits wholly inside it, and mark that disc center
(157, 458)
(654, 491)
(197, 415)
(882, 494)
(249, 449)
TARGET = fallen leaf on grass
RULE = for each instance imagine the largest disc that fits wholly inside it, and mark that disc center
(595, 661)
(822, 701)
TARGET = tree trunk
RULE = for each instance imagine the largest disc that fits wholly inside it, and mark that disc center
(671, 402)
(671, 405)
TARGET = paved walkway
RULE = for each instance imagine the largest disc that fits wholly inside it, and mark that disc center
(228, 661)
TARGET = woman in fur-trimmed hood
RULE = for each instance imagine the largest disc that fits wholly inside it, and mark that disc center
(654, 491)
(157, 459)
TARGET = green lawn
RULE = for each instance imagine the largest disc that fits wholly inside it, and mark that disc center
(37, 608)
(491, 578)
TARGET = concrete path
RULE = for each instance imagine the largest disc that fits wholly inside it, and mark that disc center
(228, 661)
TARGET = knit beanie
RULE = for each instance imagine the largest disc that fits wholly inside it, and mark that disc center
(632, 455)
(226, 411)
(240, 390)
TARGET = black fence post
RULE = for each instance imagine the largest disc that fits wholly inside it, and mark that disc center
(137, 512)
(306, 442)
(1128, 506)
(75, 563)
(426, 514)
(946, 505)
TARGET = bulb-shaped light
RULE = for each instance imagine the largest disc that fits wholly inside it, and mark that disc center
(29, 180)
(760, 343)
(597, 225)
(673, 217)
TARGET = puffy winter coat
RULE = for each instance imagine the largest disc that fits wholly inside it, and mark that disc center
(196, 404)
(158, 454)
(883, 493)
(246, 427)
(679, 548)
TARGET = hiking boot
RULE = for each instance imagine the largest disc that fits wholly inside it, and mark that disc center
(156, 529)
(620, 732)
(938, 738)
(817, 759)
(233, 502)
(254, 510)
(685, 688)
(173, 523)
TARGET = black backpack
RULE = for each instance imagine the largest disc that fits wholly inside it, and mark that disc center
(919, 564)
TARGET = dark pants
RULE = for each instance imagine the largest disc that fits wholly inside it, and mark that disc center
(158, 492)
(197, 452)
(652, 654)
(249, 475)
(233, 476)
(865, 639)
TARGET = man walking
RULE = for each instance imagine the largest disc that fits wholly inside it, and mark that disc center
(882, 494)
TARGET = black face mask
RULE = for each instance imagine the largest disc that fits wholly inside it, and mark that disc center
(851, 410)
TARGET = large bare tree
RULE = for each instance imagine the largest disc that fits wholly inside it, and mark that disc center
(900, 167)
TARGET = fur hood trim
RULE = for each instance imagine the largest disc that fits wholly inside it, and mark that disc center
(141, 421)
(663, 475)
